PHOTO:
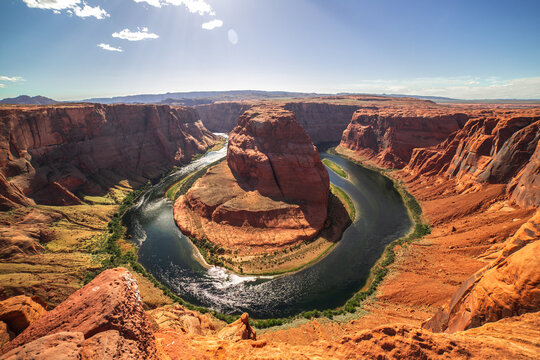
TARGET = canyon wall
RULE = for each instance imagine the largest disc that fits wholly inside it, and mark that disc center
(388, 133)
(221, 116)
(54, 154)
(323, 121)
(494, 147)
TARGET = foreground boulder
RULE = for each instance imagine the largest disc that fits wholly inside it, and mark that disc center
(108, 312)
(271, 193)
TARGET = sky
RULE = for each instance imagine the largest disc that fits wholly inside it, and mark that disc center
(78, 49)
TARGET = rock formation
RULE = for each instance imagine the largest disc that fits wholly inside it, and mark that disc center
(388, 133)
(105, 316)
(495, 147)
(52, 154)
(238, 330)
(18, 312)
(272, 192)
(509, 286)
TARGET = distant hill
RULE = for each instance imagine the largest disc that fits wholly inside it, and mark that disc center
(208, 96)
(28, 100)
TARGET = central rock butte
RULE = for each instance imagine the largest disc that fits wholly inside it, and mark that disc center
(271, 193)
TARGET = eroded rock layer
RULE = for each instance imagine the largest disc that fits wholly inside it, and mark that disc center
(388, 133)
(53, 154)
(272, 192)
(496, 146)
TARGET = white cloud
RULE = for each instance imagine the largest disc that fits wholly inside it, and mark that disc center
(212, 24)
(462, 87)
(10, 79)
(138, 35)
(200, 7)
(109, 47)
(78, 7)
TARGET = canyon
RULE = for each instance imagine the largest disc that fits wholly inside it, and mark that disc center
(469, 289)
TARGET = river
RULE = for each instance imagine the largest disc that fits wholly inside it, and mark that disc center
(170, 257)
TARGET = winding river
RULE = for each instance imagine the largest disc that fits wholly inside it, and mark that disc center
(170, 257)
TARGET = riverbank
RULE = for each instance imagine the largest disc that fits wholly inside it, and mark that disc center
(341, 212)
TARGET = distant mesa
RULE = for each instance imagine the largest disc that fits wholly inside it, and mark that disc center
(28, 100)
(272, 192)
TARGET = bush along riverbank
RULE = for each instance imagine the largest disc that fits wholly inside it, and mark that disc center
(118, 256)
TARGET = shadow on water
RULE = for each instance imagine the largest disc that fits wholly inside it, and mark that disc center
(169, 255)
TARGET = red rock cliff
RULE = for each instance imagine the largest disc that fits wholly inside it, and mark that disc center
(496, 147)
(388, 133)
(271, 193)
(50, 153)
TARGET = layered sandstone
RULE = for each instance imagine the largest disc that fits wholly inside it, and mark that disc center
(272, 192)
(55, 154)
(105, 316)
(495, 146)
(388, 133)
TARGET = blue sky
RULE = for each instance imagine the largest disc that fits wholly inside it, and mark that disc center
(75, 49)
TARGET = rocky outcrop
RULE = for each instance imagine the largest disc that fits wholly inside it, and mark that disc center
(388, 133)
(271, 193)
(524, 188)
(19, 312)
(107, 311)
(495, 147)
(509, 286)
(178, 318)
(238, 330)
(53, 154)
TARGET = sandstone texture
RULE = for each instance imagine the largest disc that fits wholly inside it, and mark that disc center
(178, 318)
(18, 312)
(55, 154)
(110, 302)
(509, 286)
(388, 133)
(272, 192)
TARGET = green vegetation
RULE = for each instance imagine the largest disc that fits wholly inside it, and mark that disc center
(345, 199)
(181, 187)
(335, 168)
